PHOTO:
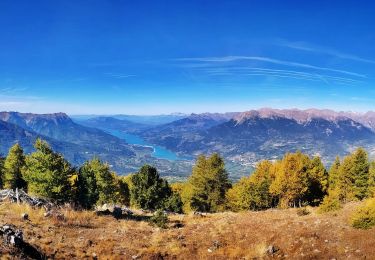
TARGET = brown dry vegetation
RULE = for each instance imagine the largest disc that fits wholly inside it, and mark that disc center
(216, 236)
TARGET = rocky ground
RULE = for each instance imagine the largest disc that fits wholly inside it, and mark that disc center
(281, 234)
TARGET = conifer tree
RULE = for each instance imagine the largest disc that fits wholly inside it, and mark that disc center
(48, 173)
(317, 178)
(252, 193)
(209, 184)
(105, 182)
(361, 173)
(291, 179)
(333, 174)
(354, 176)
(345, 182)
(88, 193)
(149, 191)
(13, 167)
(1, 171)
(123, 192)
(371, 180)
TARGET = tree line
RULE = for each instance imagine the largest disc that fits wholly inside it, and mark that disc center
(296, 180)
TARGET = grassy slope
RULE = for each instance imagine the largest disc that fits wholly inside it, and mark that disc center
(246, 235)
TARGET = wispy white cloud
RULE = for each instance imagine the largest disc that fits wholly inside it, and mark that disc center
(227, 59)
(293, 74)
(119, 76)
(303, 46)
(12, 90)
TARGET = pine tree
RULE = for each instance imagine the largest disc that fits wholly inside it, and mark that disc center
(361, 173)
(209, 184)
(1, 171)
(88, 193)
(13, 167)
(123, 192)
(317, 182)
(105, 182)
(354, 176)
(48, 173)
(371, 180)
(346, 179)
(149, 191)
(333, 174)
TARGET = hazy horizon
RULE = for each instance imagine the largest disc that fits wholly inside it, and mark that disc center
(189, 113)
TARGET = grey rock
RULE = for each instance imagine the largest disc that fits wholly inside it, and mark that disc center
(272, 249)
(25, 216)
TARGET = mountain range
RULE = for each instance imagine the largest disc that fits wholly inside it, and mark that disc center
(267, 133)
(243, 138)
(78, 143)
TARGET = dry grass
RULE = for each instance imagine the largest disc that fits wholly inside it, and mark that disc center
(217, 236)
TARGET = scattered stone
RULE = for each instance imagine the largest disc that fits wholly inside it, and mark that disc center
(114, 210)
(11, 235)
(89, 243)
(25, 216)
(209, 250)
(216, 244)
(199, 214)
(272, 249)
(135, 256)
(126, 211)
(94, 256)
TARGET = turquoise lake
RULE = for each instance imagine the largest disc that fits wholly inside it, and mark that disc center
(159, 152)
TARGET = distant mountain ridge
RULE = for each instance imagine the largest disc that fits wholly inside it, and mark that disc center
(76, 142)
(367, 119)
(104, 122)
(267, 133)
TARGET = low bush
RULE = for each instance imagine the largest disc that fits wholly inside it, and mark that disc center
(159, 219)
(364, 216)
(330, 203)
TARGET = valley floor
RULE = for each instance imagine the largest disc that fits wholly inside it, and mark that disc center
(245, 235)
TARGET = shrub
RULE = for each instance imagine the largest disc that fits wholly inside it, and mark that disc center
(159, 219)
(364, 216)
(330, 203)
(174, 203)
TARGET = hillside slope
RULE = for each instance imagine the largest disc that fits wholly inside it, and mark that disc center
(216, 236)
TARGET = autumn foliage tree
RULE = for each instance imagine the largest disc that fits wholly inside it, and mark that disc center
(252, 193)
(208, 184)
(291, 179)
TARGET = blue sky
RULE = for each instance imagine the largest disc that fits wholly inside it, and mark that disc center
(152, 57)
